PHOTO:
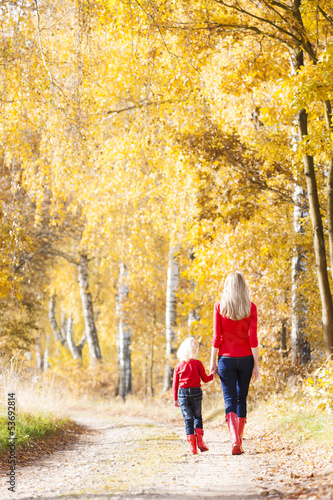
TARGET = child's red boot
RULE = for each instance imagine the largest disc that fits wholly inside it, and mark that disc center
(201, 445)
(232, 421)
(241, 425)
(193, 443)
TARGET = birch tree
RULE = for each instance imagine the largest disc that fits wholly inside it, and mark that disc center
(123, 336)
(59, 333)
(39, 355)
(171, 314)
(64, 334)
(76, 350)
(300, 348)
(88, 310)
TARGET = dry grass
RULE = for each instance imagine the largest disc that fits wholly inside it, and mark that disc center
(34, 393)
(298, 420)
(40, 403)
(160, 407)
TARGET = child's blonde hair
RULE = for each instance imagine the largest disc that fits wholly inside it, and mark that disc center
(189, 349)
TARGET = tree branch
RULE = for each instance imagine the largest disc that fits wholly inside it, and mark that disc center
(326, 16)
(258, 18)
(53, 84)
(281, 5)
(139, 106)
(269, 6)
(231, 27)
(243, 27)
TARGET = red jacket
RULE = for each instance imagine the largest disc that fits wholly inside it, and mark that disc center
(235, 338)
(189, 374)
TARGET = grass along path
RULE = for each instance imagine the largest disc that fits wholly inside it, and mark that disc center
(36, 434)
(128, 456)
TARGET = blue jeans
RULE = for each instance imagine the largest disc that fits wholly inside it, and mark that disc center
(235, 375)
(190, 399)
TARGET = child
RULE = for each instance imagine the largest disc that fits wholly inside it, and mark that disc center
(187, 392)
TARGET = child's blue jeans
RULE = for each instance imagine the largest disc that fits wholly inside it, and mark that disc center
(190, 400)
(235, 375)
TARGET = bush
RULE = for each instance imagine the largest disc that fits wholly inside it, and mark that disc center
(319, 386)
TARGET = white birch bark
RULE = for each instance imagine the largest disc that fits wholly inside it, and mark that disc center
(46, 364)
(39, 356)
(300, 348)
(151, 370)
(57, 332)
(171, 314)
(65, 334)
(88, 311)
(123, 337)
(76, 350)
(63, 324)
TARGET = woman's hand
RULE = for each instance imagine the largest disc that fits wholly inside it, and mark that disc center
(176, 404)
(255, 372)
(213, 368)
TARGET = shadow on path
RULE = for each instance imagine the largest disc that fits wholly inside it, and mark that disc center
(211, 495)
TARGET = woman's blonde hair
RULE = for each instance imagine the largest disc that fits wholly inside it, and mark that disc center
(235, 301)
(189, 349)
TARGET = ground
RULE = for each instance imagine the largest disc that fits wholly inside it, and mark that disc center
(124, 456)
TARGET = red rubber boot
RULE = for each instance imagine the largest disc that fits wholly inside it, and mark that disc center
(241, 425)
(193, 443)
(232, 421)
(201, 445)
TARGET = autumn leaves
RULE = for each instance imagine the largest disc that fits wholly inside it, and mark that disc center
(135, 128)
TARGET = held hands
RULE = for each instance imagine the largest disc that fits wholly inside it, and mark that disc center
(213, 369)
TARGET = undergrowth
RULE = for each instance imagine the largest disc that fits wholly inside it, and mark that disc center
(40, 403)
(30, 427)
(296, 419)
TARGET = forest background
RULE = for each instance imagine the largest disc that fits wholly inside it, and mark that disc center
(149, 149)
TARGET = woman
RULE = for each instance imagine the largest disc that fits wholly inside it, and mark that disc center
(235, 340)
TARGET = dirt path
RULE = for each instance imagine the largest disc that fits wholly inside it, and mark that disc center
(138, 458)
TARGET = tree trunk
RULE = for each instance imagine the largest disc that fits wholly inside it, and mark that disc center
(328, 116)
(284, 351)
(151, 367)
(148, 371)
(65, 334)
(46, 364)
(28, 355)
(39, 355)
(318, 240)
(88, 311)
(76, 350)
(192, 317)
(317, 227)
(58, 333)
(300, 347)
(63, 324)
(123, 337)
(145, 377)
(171, 315)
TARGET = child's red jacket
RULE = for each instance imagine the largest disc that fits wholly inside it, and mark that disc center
(189, 374)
